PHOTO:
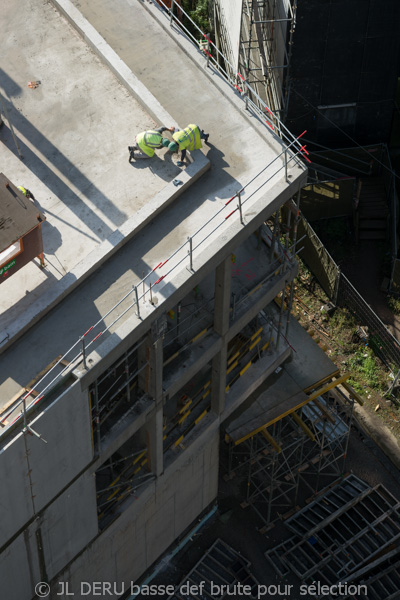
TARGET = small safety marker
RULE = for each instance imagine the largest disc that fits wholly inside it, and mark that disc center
(33, 84)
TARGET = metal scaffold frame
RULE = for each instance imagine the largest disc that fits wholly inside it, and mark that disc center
(304, 450)
(266, 40)
(348, 535)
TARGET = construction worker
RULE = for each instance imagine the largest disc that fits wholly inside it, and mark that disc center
(187, 139)
(27, 193)
(149, 141)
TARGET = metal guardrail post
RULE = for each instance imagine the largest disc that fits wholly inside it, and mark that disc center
(137, 301)
(240, 207)
(208, 50)
(246, 95)
(83, 352)
(190, 252)
(172, 13)
(286, 175)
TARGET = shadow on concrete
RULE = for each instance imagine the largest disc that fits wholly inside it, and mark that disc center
(51, 239)
(25, 302)
(61, 162)
(159, 167)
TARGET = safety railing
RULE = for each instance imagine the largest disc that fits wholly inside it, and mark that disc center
(239, 83)
(76, 354)
(183, 254)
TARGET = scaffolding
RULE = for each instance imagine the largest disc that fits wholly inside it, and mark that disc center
(349, 537)
(300, 452)
(265, 50)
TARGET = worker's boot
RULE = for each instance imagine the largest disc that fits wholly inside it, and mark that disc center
(131, 153)
(205, 136)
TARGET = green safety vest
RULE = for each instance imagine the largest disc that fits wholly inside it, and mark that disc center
(148, 141)
(188, 138)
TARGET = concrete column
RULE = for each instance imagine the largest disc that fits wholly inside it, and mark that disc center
(222, 299)
(150, 353)
(150, 382)
(154, 441)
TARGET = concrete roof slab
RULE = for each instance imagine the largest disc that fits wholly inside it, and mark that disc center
(73, 130)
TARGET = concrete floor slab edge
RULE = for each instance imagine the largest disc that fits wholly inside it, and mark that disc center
(102, 253)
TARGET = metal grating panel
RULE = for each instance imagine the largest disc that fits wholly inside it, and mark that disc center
(221, 569)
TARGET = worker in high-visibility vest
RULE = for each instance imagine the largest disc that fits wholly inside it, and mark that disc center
(187, 139)
(27, 193)
(149, 141)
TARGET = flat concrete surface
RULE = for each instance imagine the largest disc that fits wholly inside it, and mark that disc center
(73, 131)
(237, 153)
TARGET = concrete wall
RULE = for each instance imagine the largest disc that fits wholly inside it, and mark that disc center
(65, 528)
(69, 524)
(34, 472)
(50, 519)
(231, 13)
(19, 567)
(162, 511)
(15, 492)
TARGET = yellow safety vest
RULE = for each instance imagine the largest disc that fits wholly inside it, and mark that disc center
(23, 190)
(188, 138)
(148, 141)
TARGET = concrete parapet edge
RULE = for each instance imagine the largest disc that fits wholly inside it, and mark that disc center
(106, 249)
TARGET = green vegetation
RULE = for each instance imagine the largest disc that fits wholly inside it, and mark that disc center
(198, 12)
(339, 335)
(394, 304)
(365, 370)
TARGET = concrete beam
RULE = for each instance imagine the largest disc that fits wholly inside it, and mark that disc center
(154, 442)
(262, 298)
(253, 378)
(210, 346)
(121, 432)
